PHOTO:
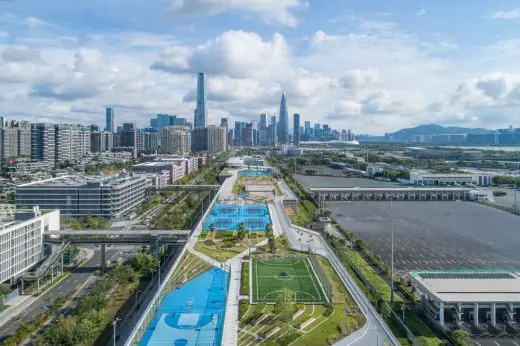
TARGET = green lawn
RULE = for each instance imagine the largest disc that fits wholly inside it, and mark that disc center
(218, 250)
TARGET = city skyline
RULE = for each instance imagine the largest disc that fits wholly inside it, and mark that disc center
(371, 66)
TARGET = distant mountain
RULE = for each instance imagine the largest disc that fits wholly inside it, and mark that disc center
(433, 129)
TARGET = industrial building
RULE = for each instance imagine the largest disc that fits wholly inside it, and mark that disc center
(405, 193)
(21, 241)
(475, 297)
(75, 196)
(427, 178)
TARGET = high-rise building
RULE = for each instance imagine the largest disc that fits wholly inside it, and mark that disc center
(307, 129)
(154, 124)
(150, 141)
(63, 143)
(283, 133)
(109, 118)
(176, 140)
(296, 129)
(273, 133)
(199, 140)
(101, 141)
(16, 139)
(216, 139)
(263, 134)
(224, 123)
(248, 135)
(43, 142)
(237, 140)
(201, 111)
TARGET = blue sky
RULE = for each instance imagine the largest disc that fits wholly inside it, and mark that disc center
(372, 66)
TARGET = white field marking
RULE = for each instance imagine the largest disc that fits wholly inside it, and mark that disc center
(496, 343)
(315, 287)
(514, 342)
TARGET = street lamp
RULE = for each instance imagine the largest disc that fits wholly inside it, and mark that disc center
(392, 252)
(136, 299)
(114, 325)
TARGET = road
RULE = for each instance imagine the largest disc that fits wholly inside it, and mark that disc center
(72, 282)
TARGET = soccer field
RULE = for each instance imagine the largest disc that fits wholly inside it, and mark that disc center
(271, 275)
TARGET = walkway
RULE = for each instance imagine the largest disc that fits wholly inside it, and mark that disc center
(375, 331)
(230, 332)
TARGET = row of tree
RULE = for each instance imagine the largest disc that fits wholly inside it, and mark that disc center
(505, 180)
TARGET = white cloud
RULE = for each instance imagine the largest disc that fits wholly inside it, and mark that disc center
(513, 14)
(421, 12)
(237, 54)
(3, 34)
(34, 22)
(270, 11)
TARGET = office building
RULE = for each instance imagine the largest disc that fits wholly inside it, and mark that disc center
(248, 135)
(109, 118)
(224, 123)
(176, 140)
(216, 139)
(283, 133)
(201, 111)
(150, 141)
(296, 129)
(273, 131)
(43, 142)
(237, 134)
(21, 241)
(199, 141)
(74, 196)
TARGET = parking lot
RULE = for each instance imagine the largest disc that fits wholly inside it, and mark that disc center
(436, 234)
(495, 342)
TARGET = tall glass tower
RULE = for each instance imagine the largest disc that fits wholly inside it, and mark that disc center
(109, 118)
(296, 129)
(201, 111)
(283, 133)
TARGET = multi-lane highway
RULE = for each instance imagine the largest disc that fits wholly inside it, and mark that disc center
(72, 283)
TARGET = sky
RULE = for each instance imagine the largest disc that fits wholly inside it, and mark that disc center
(373, 66)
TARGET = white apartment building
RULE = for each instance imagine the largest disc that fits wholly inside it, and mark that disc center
(21, 242)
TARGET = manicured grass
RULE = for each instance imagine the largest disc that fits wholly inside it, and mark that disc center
(271, 275)
(301, 216)
(218, 250)
(244, 287)
(3, 307)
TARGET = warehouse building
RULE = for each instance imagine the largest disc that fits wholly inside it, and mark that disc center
(474, 297)
(77, 196)
(426, 178)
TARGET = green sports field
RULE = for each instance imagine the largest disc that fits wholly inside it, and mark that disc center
(270, 275)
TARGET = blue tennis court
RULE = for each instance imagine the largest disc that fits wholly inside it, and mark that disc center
(193, 314)
(228, 217)
(253, 173)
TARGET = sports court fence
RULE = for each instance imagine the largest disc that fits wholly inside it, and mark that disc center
(322, 278)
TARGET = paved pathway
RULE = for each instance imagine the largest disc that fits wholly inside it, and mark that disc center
(230, 335)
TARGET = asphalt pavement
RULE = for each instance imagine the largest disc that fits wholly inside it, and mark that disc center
(495, 342)
(72, 282)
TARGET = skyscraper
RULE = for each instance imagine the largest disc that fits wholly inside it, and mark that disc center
(296, 129)
(109, 117)
(201, 111)
(273, 133)
(176, 140)
(224, 122)
(283, 133)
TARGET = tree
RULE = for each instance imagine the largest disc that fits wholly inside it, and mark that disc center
(4, 289)
(212, 227)
(461, 337)
(386, 310)
(269, 230)
(241, 234)
(144, 263)
(272, 245)
(284, 305)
